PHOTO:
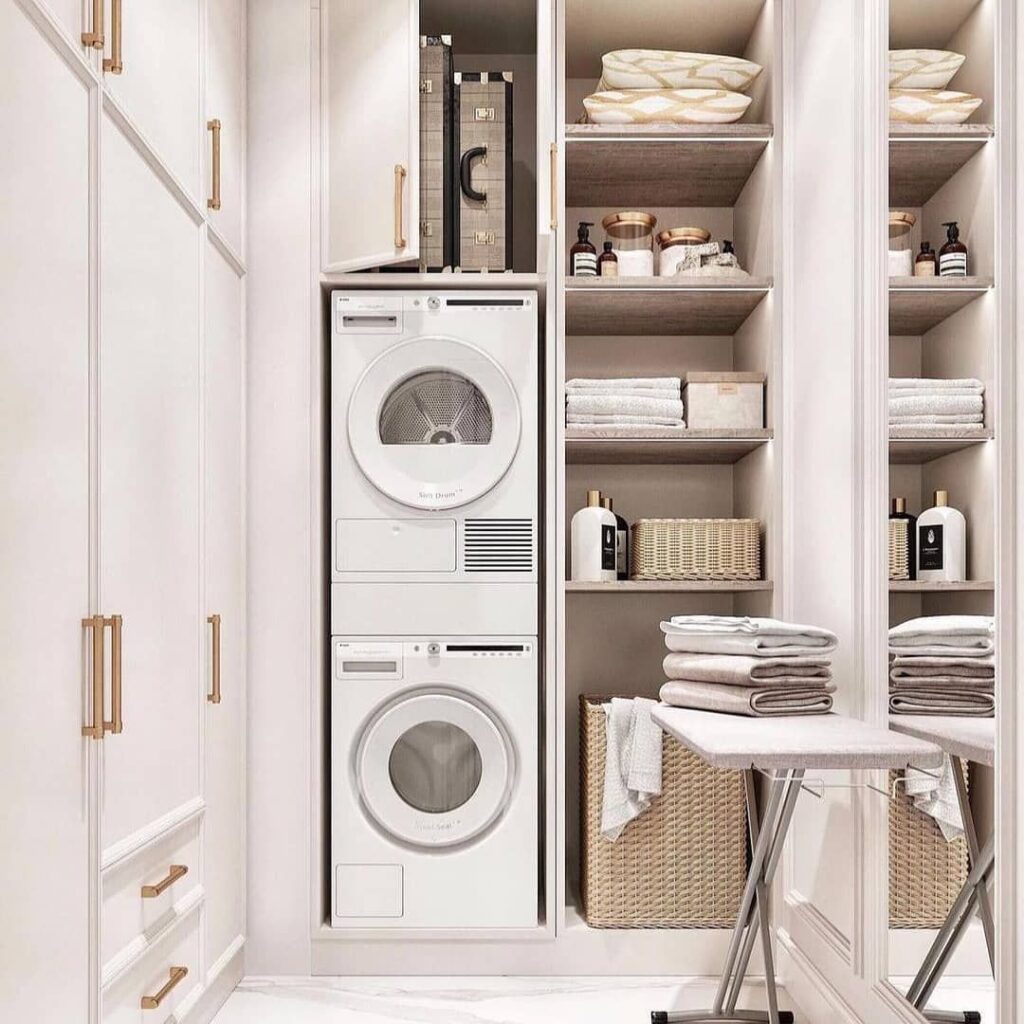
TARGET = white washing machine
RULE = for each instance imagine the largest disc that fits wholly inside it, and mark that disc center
(434, 462)
(434, 783)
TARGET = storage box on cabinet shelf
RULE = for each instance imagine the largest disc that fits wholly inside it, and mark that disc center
(724, 399)
(696, 549)
(683, 862)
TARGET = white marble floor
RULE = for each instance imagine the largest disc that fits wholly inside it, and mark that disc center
(466, 1000)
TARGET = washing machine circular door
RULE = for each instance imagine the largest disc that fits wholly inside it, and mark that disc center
(435, 769)
(434, 423)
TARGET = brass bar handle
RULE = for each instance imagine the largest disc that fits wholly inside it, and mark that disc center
(175, 975)
(553, 155)
(400, 242)
(213, 203)
(97, 624)
(116, 724)
(114, 64)
(95, 37)
(150, 892)
(214, 696)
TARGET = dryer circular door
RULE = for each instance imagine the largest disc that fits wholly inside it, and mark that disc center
(434, 423)
(435, 768)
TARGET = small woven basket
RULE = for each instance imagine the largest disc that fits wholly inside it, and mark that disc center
(899, 551)
(925, 872)
(683, 862)
(696, 549)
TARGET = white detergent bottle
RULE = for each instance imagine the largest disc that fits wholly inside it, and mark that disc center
(593, 542)
(941, 543)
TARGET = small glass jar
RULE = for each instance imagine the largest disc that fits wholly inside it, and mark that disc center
(901, 256)
(632, 237)
(678, 246)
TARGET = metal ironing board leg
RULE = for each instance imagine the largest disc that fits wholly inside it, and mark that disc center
(766, 839)
(974, 853)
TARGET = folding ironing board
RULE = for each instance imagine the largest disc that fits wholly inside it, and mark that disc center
(784, 749)
(973, 739)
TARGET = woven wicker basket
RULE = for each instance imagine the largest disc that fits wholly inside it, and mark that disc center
(696, 549)
(683, 862)
(899, 553)
(925, 872)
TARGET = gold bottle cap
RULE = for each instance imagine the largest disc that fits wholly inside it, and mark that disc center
(941, 498)
(607, 503)
(593, 499)
(899, 506)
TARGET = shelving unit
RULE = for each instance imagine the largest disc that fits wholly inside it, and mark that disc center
(923, 587)
(699, 447)
(915, 450)
(923, 157)
(917, 304)
(669, 587)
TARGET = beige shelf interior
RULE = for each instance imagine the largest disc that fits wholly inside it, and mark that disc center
(916, 305)
(699, 447)
(923, 157)
(923, 587)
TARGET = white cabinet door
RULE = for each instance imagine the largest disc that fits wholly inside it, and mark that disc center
(224, 837)
(225, 104)
(158, 85)
(370, 96)
(149, 498)
(44, 526)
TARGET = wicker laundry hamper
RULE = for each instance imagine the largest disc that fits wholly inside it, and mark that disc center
(683, 862)
(696, 549)
(899, 551)
(925, 872)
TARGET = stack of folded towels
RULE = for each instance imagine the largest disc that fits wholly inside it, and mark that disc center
(921, 404)
(943, 665)
(748, 666)
(624, 405)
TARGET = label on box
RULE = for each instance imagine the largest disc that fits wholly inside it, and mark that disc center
(930, 545)
(728, 388)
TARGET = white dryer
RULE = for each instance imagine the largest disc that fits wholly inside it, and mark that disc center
(434, 462)
(434, 783)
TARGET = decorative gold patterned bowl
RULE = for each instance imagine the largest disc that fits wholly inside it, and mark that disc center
(931, 106)
(666, 106)
(671, 69)
(923, 69)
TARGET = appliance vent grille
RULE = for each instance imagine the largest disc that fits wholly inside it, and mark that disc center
(499, 545)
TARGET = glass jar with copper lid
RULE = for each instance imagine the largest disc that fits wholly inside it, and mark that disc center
(632, 236)
(682, 245)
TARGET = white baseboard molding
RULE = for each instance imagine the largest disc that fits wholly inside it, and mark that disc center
(908, 946)
(223, 979)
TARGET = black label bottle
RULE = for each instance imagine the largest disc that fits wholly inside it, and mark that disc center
(608, 262)
(583, 255)
(621, 541)
(924, 265)
(899, 511)
(953, 255)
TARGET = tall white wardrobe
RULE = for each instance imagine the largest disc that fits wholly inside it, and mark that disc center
(122, 540)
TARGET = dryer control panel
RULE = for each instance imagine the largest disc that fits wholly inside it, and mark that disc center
(372, 659)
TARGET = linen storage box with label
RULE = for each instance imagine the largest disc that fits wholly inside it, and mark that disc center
(680, 864)
(724, 400)
(696, 549)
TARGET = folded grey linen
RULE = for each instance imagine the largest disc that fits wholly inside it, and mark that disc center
(943, 683)
(755, 701)
(957, 703)
(745, 670)
(987, 674)
(948, 665)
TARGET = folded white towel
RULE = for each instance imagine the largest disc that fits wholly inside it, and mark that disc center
(916, 663)
(600, 383)
(632, 767)
(939, 405)
(936, 383)
(625, 392)
(937, 798)
(962, 636)
(921, 393)
(757, 637)
(963, 419)
(611, 405)
(621, 419)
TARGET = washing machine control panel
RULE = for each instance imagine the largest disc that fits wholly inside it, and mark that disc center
(370, 659)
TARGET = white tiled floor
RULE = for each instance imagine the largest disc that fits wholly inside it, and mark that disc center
(466, 1000)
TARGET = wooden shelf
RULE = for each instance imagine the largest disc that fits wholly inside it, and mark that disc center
(923, 157)
(637, 165)
(668, 586)
(924, 587)
(697, 447)
(441, 282)
(914, 450)
(661, 305)
(917, 304)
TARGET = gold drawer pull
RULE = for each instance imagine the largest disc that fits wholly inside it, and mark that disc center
(213, 127)
(150, 892)
(214, 695)
(114, 65)
(553, 153)
(116, 724)
(95, 37)
(98, 626)
(152, 1002)
(400, 172)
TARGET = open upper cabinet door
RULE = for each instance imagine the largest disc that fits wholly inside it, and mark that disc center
(370, 131)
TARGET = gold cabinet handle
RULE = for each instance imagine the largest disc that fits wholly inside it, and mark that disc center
(213, 203)
(400, 242)
(553, 155)
(150, 892)
(98, 626)
(95, 37)
(116, 724)
(175, 975)
(214, 695)
(114, 64)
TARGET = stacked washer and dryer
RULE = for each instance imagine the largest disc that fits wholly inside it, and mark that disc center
(434, 609)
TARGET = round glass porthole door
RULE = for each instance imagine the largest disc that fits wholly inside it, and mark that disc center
(435, 768)
(434, 423)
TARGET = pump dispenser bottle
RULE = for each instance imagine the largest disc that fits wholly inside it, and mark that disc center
(621, 541)
(941, 543)
(583, 255)
(953, 255)
(593, 532)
